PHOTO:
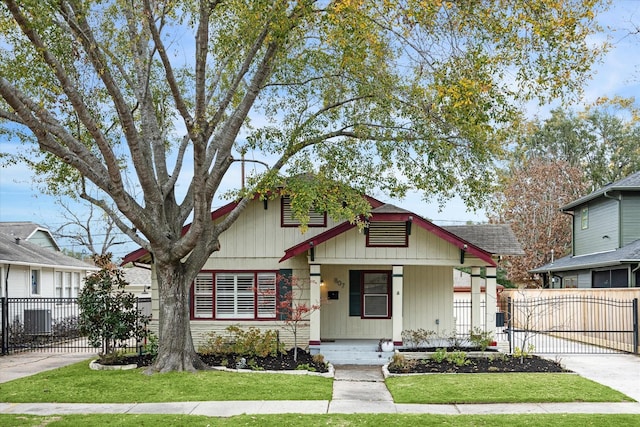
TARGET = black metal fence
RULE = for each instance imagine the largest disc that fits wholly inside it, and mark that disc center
(47, 324)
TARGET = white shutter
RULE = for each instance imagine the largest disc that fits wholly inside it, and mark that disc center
(235, 296)
(245, 295)
(267, 295)
(203, 295)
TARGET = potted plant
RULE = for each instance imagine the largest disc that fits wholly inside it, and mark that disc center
(385, 344)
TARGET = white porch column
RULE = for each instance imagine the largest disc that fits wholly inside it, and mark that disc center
(476, 296)
(491, 300)
(397, 308)
(314, 298)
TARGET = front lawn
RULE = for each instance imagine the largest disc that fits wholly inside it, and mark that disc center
(345, 420)
(500, 388)
(78, 384)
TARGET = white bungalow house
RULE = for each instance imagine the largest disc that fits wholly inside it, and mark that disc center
(394, 275)
(32, 265)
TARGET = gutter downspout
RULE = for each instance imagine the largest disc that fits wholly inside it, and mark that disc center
(6, 282)
(619, 200)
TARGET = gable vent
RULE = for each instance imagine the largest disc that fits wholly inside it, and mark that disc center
(391, 234)
(316, 219)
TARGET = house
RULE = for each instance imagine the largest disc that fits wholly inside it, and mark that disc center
(32, 265)
(138, 280)
(394, 274)
(606, 240)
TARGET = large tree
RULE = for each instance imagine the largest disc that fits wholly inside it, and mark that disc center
(133, 97)
(603, 140)
(530, 200)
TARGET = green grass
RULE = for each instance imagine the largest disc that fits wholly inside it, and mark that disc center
(343, 420)
(78, 384)
(500, 388)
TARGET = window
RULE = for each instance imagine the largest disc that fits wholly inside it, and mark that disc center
(235, 295)
(370, 294)
(316, 219)
(618, 278)
(584, 218)
(375, 294)
(58, 283)
(570, 282)
(35, 282)
(76, 284)
(387, 234)
(67, 284)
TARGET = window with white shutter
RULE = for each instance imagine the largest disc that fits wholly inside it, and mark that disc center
(203, 296)
(267, 295)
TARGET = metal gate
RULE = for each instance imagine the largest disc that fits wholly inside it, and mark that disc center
(572, 324)
(45, 324)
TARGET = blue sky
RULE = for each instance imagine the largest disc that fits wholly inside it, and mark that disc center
(617, 75)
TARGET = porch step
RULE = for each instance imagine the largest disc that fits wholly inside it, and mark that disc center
(354, 354)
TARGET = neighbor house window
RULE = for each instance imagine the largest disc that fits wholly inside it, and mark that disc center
(618, 278)
(316, 219)
(584, 218)
(235, 295)
(75, 283)
(58, 283)
(35, 282)
(376, 292)
(570, 282)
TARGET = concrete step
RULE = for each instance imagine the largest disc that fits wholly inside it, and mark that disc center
(356, 357)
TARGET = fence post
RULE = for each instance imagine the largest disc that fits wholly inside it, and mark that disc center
(4, 309)
(635, 325)
(510, 324)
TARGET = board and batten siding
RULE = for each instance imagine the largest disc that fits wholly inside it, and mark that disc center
(424, 248)
(630, 217)
(257, 233)
(602, 234)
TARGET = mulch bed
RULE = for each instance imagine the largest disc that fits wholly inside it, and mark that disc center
(504, 363)
(283, 362)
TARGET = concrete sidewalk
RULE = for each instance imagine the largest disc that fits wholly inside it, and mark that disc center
(356, 389)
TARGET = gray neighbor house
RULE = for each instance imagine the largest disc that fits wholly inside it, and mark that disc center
(606, 240)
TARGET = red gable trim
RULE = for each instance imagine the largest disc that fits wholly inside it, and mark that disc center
(316, 240)
(422, 223)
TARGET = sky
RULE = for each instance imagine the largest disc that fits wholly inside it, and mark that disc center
(617, 75)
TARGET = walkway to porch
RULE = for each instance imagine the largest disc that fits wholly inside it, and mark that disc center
(353, 352)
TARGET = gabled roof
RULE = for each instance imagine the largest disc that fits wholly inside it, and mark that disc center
(391, 213)
(497, 239)
(24, 230)
(625, 255)
(630, 183)
(26, 253)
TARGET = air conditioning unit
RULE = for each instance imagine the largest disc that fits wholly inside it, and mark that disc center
(37, 321)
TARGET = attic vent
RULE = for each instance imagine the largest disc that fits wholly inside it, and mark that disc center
(316, 219)
(387, 234)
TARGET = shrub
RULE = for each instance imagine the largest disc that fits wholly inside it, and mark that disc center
(439, 355)
(481, 338)
(458, 358)
(416, 338)
(108, 314)
(250, 343)
(400, 363)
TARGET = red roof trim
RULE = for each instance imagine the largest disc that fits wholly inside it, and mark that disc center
(316, 240)
(422, 223)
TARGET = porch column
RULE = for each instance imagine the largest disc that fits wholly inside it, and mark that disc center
(397, 282)
(314, 298)
(491, 299)
(476, 295)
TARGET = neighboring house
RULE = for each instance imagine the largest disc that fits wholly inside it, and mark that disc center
(30, 232)
(395, 274)
(606, 240)
(37, 269)
(138, 279)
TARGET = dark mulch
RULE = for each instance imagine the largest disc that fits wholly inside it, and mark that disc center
(283, 362)
(498, 363)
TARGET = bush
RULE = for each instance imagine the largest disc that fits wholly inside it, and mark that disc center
(108, 314)
(416, 338)
(439, 355)
(250, 343)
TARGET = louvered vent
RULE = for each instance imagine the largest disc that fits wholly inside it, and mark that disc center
(316, 219)
(385, 233)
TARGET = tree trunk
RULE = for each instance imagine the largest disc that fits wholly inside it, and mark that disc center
(175, 344)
